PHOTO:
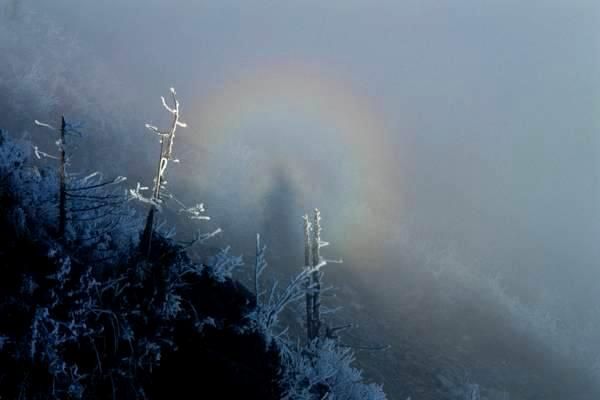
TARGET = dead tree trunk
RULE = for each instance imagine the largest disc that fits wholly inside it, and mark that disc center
(315, 327)
(76, 197)
(62, 194)
(313, 261)
(167, 139)
(316, 274)
(257, 271)
(146, 241)
(308, 264)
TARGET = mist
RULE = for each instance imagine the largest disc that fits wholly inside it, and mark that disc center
(452, 148)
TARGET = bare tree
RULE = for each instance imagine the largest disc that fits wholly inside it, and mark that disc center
(313, 285)
(62, 172)
(260, 264)
(79, 198)
(160, 194)
(307, 266)
(167, 140)
(315, 326)
(316, 274)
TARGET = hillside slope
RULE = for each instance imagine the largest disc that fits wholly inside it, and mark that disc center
(84, 315)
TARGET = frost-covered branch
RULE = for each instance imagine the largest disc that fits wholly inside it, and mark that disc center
(312, 255)
(159, 190)
(222, 264)
(270, 305)
(260, 264)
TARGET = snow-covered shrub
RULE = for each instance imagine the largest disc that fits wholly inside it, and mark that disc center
(12, 155)
(222, 265)
(70, 318)
(322, 370)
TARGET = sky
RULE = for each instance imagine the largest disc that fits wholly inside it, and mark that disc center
(460, 126)
(475, 122)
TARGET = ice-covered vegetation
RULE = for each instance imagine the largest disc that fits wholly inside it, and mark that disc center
(96, 302)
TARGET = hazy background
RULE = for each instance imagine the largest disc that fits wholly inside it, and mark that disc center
(452, 145)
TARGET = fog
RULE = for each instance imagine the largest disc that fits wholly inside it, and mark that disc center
(452, 139)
